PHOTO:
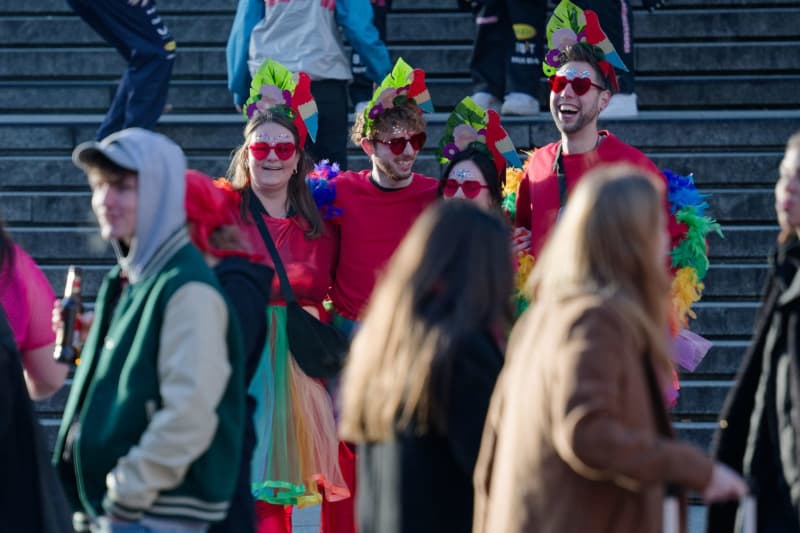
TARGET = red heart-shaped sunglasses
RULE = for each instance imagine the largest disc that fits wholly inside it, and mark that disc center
(581, 86)
(471, 188)
(398, 144)
(284, 150)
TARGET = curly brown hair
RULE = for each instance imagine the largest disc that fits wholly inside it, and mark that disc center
(407, 115)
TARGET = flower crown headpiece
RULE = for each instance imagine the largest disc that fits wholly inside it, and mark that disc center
(276, 89)
(572, 25)
(469, 125)
(402, 85)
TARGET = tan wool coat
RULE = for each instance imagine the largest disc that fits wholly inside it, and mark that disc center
(575, 441)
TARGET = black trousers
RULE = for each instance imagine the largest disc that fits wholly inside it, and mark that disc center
(333, 133)
(616, 19)
(509, 47)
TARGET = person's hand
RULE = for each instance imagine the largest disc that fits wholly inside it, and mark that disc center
(520, 240)
(725, 485)
(83, 321)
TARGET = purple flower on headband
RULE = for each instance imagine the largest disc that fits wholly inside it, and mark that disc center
(376, 110)
(450, 150)
(464, 135)
(252, 109)
(552, 58)
(287, 97)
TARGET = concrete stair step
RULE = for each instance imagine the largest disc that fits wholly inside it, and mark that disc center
(701, 398)
(743, 242)
(64, 245)
(742, 205)
(59, 207)
(734, 23)
(698, 433)
(212, 96)
(727, 281)
(723, 169)
(651, 131)
(215, 6)
(213, 29)
(32, 173)
(721, 362)
(205, 62)
(713, 58)
(731, 320)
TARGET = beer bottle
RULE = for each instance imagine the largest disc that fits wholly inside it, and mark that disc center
(67, 345)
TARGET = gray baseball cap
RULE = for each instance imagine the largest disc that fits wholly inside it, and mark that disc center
(116, 148)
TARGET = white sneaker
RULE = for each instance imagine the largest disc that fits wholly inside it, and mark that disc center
(520, 104)
(621, 105)
(487, 101)
(360, 107)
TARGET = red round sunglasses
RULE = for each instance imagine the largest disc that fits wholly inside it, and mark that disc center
(581, 86)
(284, 150)
(398, 144)
(471, 188)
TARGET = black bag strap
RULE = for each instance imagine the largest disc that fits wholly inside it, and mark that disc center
(286, 288)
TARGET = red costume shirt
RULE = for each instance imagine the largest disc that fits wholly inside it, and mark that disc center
(372, 223)
(538, 197)
(309, 263)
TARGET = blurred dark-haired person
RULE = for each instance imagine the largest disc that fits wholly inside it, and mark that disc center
(430, 348)
(758, 429)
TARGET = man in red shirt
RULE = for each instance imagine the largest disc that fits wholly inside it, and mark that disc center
(377, 206)
(580, 89)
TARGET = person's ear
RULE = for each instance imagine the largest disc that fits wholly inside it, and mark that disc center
(605, 97)
(367, 146)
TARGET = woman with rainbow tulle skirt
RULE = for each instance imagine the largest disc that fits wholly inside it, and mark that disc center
(296, 460)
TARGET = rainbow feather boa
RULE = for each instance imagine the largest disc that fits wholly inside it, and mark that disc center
(689, 257)
(525, 260)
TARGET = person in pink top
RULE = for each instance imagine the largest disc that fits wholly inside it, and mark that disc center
(376, 207)
(27, 299)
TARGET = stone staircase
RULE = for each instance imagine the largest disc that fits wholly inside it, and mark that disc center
(718, 84)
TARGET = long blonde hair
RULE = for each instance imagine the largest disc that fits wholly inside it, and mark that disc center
(605, 243)
(451, 277)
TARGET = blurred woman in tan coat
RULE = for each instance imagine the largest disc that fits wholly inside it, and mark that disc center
(577, 437)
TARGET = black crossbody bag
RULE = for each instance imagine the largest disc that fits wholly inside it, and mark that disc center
(318, 348)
